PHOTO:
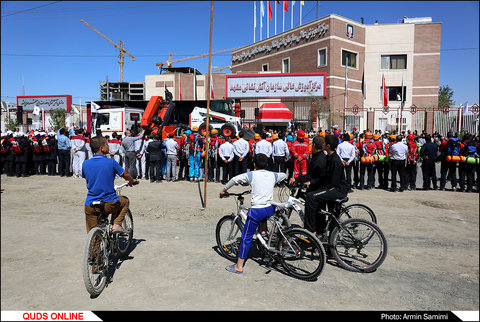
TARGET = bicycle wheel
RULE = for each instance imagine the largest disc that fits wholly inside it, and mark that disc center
(357, 211)
(359, 245)
(229, 236)
(123, 241)
(272, 231)
(301, 253)
(95, 262)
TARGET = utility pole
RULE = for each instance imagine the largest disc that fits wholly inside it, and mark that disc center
(207, 132)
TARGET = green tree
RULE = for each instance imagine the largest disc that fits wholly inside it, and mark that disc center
(445, 94)
(58, 116)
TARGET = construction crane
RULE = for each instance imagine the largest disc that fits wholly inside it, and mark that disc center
(169, 62)
(120, 48)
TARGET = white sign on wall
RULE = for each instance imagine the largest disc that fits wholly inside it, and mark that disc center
(276, 85)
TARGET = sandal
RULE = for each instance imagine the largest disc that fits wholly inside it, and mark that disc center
(120, 230)
(231, 268)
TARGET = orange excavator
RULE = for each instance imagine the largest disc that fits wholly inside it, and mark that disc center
(156, 115)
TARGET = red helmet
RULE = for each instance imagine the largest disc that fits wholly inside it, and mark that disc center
(301, 134)
(336, 132)
(411, 137)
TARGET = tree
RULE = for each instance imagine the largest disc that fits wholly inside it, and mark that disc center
(58, 118)
(445, 94)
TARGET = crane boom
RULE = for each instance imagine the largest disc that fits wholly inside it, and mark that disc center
(120, 48)
(170, 62)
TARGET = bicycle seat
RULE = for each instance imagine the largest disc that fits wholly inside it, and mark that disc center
(99, 205)
(342, 200)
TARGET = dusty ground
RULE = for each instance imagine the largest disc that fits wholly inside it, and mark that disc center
(432, 262)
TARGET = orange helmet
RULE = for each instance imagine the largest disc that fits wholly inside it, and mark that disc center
(275, 137)
(257, 136)
(376, 136)
(214, 131)
(393, 137)
(195, 129)
(322, 134)
(368, 135)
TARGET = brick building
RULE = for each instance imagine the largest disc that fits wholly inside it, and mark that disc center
(406, 55)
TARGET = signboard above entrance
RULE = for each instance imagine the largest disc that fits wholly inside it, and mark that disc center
(276, 85)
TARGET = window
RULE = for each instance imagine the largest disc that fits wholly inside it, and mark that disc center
(265, 68)
(322, 57)
(349, 58)
(394, 93)
(393, 62)
(286, 65)
(352, 121)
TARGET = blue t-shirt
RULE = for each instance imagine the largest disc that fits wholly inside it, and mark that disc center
(99, 172)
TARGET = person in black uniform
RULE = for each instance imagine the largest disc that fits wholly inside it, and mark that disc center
(429, 155)
(9, 160)
(51, 155)
(154, 148)
(315, 179)
(335, 187)
(21, 157)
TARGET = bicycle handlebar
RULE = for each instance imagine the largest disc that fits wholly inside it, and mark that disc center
(236, 194)
(125, 184)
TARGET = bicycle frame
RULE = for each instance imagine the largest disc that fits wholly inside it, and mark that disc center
(242, 215)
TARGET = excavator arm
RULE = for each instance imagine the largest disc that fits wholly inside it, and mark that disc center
(157, 114)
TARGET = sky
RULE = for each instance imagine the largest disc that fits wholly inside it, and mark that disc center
(47, 50)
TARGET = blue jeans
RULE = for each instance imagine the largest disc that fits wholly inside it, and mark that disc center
(254, 217)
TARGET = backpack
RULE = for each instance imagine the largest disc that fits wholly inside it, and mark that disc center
(412, 155)
(453, 146)
(191, 141)
(471, 149)
(45, 146)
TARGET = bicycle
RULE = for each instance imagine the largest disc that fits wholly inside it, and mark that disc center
(356, 244)
(300, 253)
(103, 246)
(295, 195)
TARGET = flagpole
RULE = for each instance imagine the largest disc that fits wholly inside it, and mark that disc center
(268, 21)
(291, 23)
(254, 19)
(346, 88)
(301, 5)
(401, 106)
(207, 132)
(261, 21)
(283, 14)
(275, 17)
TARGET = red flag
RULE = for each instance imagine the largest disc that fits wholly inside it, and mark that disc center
(278, 2)
(385, 96)
(269, 11)
(285, 6)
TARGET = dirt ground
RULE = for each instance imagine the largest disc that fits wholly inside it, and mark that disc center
(432, 262)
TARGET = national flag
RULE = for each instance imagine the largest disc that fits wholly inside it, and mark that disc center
(269, 11)
(465, 109)
(36, 110)
(385, 96)
(94, 107)
(285, 6)
(74, 108)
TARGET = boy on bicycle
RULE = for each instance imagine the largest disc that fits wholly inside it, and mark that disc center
(262, 182)
(100, 172)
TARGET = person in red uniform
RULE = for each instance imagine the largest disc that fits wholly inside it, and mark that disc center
(380, 165)
(300, 154)
(368, 150)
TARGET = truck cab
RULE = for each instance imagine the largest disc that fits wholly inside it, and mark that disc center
(117, 119)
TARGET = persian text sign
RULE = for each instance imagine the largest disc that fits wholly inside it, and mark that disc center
(276, 85)
(46, 102)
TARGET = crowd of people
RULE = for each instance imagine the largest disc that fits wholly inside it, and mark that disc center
(371, 159)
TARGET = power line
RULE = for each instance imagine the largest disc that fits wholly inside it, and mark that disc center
(25, 10)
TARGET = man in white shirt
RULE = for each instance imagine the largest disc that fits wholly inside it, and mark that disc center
(280, 153)
(240, 150)
(172, 151)
(225, 152)
(398, 158)
(265, 147)
(346, 152)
